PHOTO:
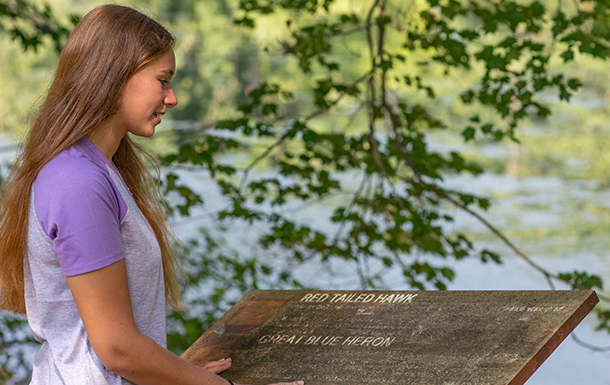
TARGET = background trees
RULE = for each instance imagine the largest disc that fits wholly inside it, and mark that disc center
(379, 82)
(342, 104)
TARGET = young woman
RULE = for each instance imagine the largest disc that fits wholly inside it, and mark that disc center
(84, 247)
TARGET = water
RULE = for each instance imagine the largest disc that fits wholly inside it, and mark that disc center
(543, 216)
(571, 363)
(522, 206)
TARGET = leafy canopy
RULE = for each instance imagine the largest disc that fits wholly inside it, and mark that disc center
(382, 77)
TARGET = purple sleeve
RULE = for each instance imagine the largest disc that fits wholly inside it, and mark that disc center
(79, 208)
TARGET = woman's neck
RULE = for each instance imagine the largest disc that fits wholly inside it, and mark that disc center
(107, 139)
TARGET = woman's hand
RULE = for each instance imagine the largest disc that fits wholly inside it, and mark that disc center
(219, 366)
(103, 301)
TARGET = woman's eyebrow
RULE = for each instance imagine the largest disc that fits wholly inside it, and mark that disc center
(170, 72)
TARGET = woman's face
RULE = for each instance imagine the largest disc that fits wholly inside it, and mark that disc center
(146, 97)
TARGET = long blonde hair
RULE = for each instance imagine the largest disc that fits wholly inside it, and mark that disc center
(106, 48)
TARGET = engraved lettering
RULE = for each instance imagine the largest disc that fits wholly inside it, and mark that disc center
(339, 329)
(306, 297)
(314, 298)
(381, 297)
(334, 298)
(544, 309)
(404, 298)
(341, 298)
(263, 339)
(388, 298)
(326, 340)
(274, 339)
(363, 298)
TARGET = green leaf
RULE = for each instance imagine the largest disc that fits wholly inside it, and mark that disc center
(574, 84)
(582, 280)
(385, 64)
(467, 97)
(487, 255)
(469, 133)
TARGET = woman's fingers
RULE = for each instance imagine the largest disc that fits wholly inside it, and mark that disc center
(218, 366)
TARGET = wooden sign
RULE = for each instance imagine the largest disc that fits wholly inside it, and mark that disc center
(391, 337)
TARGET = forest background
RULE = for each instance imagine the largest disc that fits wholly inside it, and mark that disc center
(419, 144)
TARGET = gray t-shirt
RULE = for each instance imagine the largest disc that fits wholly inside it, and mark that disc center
(83, 218)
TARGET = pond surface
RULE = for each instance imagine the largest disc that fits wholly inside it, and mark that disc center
(558, 223)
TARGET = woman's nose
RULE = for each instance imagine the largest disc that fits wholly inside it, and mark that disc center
(170, 99)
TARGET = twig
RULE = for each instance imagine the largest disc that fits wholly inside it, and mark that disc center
(282, 138)
(349, 208)
(589, 346)
(548, 275)
(494, 230)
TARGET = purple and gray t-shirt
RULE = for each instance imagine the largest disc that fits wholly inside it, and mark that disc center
(83, 218)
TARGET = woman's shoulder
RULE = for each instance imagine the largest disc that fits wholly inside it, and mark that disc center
(73, 174)
(74, 166)
(73, 183)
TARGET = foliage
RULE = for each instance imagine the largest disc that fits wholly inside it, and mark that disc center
(582, 280)
(209, 259)
(381, 80)
(29, 24)
(398, 215)
(14, 341)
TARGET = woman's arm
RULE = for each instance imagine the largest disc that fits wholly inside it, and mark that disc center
(102, 299)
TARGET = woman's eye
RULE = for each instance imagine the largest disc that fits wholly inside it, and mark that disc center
(164, 82)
